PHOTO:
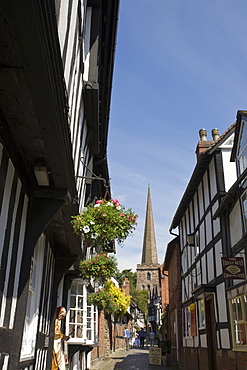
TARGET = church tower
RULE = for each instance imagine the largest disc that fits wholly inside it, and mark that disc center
(148, 270)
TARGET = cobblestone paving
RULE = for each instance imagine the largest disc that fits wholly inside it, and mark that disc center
(134, 359)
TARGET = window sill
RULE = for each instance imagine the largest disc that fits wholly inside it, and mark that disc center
(242, 349)
(81, 342)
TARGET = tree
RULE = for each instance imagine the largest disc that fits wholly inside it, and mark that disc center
(127, 273)
(140, 297)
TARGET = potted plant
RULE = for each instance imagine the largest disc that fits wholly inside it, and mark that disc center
(166, 349)
(102, 223)
(98, 266)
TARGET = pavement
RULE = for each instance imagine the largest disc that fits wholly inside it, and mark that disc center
(134, 359)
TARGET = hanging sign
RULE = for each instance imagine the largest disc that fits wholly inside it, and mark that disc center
(233, 267)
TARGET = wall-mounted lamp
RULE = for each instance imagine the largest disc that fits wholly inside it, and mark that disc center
(42, 176)
(190, 239)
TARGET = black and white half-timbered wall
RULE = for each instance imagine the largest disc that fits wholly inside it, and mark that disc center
(233, 210)
(204, 239)
(56, 67)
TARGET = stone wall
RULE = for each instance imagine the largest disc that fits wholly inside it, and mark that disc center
(142, 277)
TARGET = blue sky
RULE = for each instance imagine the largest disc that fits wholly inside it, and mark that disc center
(181, 65)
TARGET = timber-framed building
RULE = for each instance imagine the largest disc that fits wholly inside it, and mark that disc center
(56, 68)
(203, 241)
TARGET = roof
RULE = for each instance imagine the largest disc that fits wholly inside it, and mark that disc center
(197, 174)
(149, 250)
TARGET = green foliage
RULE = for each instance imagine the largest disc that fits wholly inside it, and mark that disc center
(166, 344)
(105, 221)
(99, 266)
(127, 273)
(111, 299)
(140, 297)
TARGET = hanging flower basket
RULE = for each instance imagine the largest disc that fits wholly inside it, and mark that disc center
(104, 222)
(98, 267)
(111, 300)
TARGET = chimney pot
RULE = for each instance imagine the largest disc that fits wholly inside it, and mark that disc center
(215, 134)
(203, 134)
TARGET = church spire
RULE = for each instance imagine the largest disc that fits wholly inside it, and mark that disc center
(148, 270)
(149, 250)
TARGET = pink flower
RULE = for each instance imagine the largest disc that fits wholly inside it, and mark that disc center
(99, 201)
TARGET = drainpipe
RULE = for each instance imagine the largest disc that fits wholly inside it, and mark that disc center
(176, 320)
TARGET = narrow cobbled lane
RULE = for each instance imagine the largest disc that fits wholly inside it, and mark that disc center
(134, 359)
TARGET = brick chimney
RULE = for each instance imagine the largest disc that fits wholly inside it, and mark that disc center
(126, 286)
(205, 144)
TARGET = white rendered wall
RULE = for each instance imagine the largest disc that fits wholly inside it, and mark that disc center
(225, 340)
(230, 175)
(206, 190)
(210, 261)
(235, 224)
(216, 222)
(213, 184)
(218, 255)
(221, 298)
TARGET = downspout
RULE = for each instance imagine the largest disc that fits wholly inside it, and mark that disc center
(170, 231)
(176, 319)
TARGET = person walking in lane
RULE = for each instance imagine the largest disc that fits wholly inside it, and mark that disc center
(127, 338)
(151, 338)
(142, 335)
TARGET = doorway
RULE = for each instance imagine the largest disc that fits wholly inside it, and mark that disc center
(211, 332)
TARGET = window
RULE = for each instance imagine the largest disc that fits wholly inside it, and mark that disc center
(148, 276)
(242, 149)
(244, 209)
(201, 312)
(197, 249)
(186, 316)
(190, 323)
(238, 311)
(82, 315)
(32, 309)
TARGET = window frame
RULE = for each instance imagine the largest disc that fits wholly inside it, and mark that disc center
(187, 322)
(240, 322)
(87, 314)
(243, 211)
(241, 148)
(201, 314)
(33, 302)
